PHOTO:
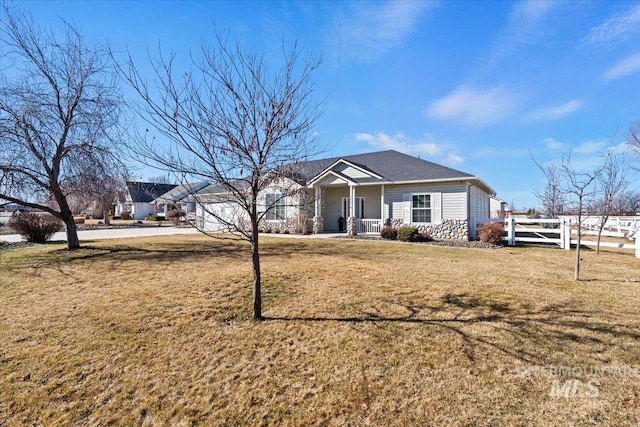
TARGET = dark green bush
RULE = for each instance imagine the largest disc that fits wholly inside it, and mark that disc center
(36, 228)
(491, 232)
(389, 233)
(408, 234)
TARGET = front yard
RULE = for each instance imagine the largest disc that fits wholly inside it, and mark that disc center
(156, 331)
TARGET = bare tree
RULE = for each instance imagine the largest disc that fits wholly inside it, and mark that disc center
(233, 122)
(59, 105)
(611, 184)
(161, 179)
(627, 203)
(633, 136)
(552, 198)
(579, 188)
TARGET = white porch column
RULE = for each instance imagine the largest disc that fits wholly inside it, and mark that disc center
(318, 201)
(382, 218)
(352, 201)
(318, 222)
(352, 221)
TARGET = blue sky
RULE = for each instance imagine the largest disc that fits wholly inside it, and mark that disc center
(475, 85)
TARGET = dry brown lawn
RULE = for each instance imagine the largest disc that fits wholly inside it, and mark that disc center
(157, 331)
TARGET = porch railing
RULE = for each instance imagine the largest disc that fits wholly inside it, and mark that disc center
(368, 226)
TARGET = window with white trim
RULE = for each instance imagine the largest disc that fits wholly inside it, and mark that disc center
(421, 208)
(276, 206)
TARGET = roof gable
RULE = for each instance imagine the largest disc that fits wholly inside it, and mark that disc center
(389, 165)
(181, 192)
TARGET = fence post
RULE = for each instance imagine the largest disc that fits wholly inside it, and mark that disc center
(511, 231)
(567, 235)
(637, 246)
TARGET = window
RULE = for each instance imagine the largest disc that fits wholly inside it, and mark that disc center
(276, 206)
(421, 208)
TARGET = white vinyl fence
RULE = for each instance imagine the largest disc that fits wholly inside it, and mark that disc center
(563, 231)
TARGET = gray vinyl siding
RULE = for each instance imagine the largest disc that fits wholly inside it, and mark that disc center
(331, 206)
(371, 196)
(479, 203)
(350, 171)
(454, 198)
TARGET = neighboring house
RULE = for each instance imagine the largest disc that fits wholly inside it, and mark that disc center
(497, 208)
(137, 198)
(180, 197)
(366, 191)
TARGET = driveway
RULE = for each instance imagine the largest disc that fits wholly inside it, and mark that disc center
(120, 233)
(112, 233)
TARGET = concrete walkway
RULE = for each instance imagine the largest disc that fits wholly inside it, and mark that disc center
(121, 233)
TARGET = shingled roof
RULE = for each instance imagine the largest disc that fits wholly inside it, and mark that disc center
(392, 165)
(145, 192)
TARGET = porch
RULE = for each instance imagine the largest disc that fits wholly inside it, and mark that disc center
(350, 209)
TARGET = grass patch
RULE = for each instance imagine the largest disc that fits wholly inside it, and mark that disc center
(156, 331)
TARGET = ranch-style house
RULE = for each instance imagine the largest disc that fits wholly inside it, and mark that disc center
(360, 194)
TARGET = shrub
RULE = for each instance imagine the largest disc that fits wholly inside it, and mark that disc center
(491, 232)
(175, 214)
(389, 233)
(125, 215)
(151, 218)
(36, 228)
(408, 234)
(423, 237)
(78, 219)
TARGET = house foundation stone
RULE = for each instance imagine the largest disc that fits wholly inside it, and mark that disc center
(318, 225)
(352, 226)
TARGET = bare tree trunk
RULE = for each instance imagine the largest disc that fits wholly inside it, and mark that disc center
(66, 215)
(576, 272)
(599, 237)
(73, 242)
(257, 294)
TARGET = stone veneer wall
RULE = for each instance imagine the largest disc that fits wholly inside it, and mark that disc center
(352, 226)
(290, 225)
(448, 229)
(318, 225)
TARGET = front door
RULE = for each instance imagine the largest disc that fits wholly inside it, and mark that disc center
(346, 204)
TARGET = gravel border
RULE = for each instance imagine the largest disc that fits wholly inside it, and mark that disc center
(472, 244)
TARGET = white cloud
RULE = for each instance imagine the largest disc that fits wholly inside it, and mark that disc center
(590, 147)
(523, 27)
(475, 107)
(623, 68)
(554, 145)
(617, 29)
(398, 142)
(372, 29)
(454, 159)
(555, 112)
